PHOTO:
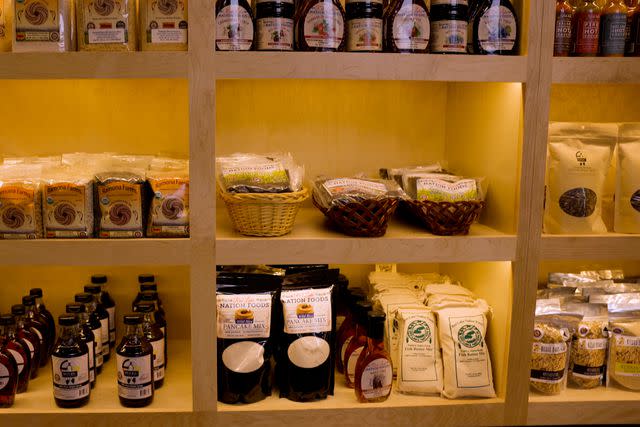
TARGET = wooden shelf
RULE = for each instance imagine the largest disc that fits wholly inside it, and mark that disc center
(591, 247)
(371, 66)
(96, 252)
(596, 70)
(93, 65)
(596, 406)
(311, 241)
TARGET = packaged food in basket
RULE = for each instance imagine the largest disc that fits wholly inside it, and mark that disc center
(330, 192)
(169, 210)
(254, 173)
(20, 201)
(624, 341)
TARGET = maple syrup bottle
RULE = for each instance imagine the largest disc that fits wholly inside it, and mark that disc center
(46, 314)
(364, 25)
(154, 335)
(274, 24)
(18, 349)
(586, 27)
(38, 324)
(29, 336)
(320, 26)
(374, 371)
(495, 29)
(70, 365)
(148, 282)
(109, 304)
(86, 336)
(347, 328)
(134, 360)
(613, 25)
(152, 297)
(407, 27)
(103, 315)
(94, 325)
(449, 19)
(357, 343)
(8, 378)
(234, 25)
(564, 34)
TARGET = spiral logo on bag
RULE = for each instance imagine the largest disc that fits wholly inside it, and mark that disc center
(64, 214)
(13, 217)
(104, 7)
(120, 214)
(36, 13)
(168, 7)
(172, 208)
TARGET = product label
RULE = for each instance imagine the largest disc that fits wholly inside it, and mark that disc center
(562, 41)
(64, 210)
(91, 345)
(627, 369)
(343, 350)
(550, 348)
(376, 379)
(497, 29)
(112, 324)
(418, 350)
(244, 315)
(411, 28)
(364, 35)
(339, 186)
(19, 360)
(234, 28)
(306, 310)
(97, 333)
(324, 26)
(449, 36)
(158, 359)
(121, 209)
(547, 377)
(438, 190)
(104, 336)
(272, 172)
(107, 21)
(170, 204)
(4, 376)
(587, 372)
(471, 353)
(351, 364)
(275, 33)
(17, 211)
(70, 377)
(135, 377)
(612, 39)
(587, 33)
(31, 349)
(166, 22)
(37, 21)
(450, 2)
(593, 343)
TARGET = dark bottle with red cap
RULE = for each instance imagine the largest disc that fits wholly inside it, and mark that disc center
(154, 335)
(85, 335)
(109, 304)
(95, 326)
(37, 323)
(8, 378)
(29, 337)
(18, 349)
(134, 362)
(96, 291)
(70, 365)
(46, 314)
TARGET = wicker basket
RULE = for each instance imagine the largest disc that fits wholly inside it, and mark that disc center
(264, 214)
(366, 219)
(446, 218)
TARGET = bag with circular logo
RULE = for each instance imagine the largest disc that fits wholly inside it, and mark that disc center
(589, 345)
(627, 200)
(623, 364)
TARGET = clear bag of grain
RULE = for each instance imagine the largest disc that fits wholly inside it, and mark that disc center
(163, 25)
(589, 345)
(107, 25)
(623, 366)
(44, 26)
(20, 201)
(627, 201)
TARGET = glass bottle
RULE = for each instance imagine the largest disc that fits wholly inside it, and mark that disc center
(495, 29)
(348, 326)
(320, 26)
(586, 28)
(407, 27)
(357, 343)
(46, 314)
(364, 25)
(474, 8)
(613, 24)
(18, 349)
(29, 336)
(152, 297)
(85, 335)
(8, 378)
(449, 26)
(274, 24)
(633, 29)
(374, 371)
(154, 335)
(134, 360)
(563, 36)
(70, 365)
(103, 315)
(38, 324)
(94, 325)
(109, 304)
(146, 285)
(234, 25)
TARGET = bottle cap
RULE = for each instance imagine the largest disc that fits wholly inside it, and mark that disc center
(146, 278)
(28, 300)
(67, 320)
(99, 279)
(132, 319)
(145, 307)
(375, 328)
(75, 307)
(18, 310)
(36, 292)
(83, 297)
(148, 287)
(7, 319)
(93, 289)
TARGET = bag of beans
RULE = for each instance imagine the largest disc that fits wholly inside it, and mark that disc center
(627, 202)
(578, 163)
(20, 201)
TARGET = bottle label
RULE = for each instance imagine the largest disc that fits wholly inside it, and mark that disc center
(4, 376)
(91, 345)
(376, 379)
(32, 349)
(411, 28)
(98, 349)
(158, 359)
(275, 33)
(343, 350)
(497, 29)
(562, 41)
(135, 377)
(112, 324)
(587, 33)
(166, 22)
(450, 2)
(471, 354)
(70, 377)
(613, 33)
(274, 1)
(19, 360)
(324, 26)
(364, 35)
(104, 335)
(234, 28)
(449, 36)
(306, 310)
(244, 315)
(351, 364)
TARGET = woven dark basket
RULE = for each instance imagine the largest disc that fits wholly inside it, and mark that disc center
(368, 218)
(446, 218)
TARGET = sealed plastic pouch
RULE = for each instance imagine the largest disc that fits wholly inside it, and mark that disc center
(20, 201)
(254, 173)
(329, 192)
(589, 345)
(169, 210)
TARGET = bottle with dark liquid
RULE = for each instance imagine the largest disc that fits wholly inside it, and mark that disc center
(274, 24)
(86, 336)
(70, 365)
(154, 335)
(374, 371)
(586, 28)
(103, 315)
(109, 304)
(234, 25)
(357, 344)
(29, 337)
(320, 26)
(347, 328)
(148, 282)
(449, 20)
(94, 325)
(134, 360)
(37, 323)
(364, 25)
(563, 37)
(613, 25)
(46, 314)
(18, 349)
(495, 29)
(152, 297)
(407, 27)
(8, 378)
